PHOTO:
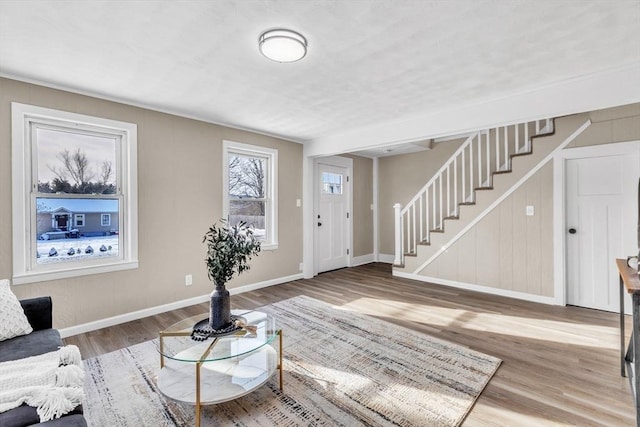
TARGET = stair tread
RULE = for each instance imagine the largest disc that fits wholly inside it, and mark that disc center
(526, 153)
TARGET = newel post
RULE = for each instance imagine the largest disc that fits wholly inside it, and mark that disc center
(398, 230)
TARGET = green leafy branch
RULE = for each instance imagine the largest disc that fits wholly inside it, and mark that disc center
(229, 250)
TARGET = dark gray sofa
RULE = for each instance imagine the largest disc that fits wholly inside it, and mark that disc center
(43, 339)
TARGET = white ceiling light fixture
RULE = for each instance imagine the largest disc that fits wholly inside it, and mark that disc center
(282, 45)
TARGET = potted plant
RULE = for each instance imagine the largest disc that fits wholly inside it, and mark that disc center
(229, 250)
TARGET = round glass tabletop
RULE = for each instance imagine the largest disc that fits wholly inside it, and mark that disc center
(176, 342)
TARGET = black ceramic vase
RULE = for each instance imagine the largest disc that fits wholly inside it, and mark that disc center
(220, 308)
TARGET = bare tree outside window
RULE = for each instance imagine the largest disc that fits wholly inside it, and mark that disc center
(247, 190)
(75, 163)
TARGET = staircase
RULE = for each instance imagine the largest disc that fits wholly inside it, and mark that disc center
(460, 190)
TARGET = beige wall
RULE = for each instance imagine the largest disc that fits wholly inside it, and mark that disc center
(362, 201)
(508, 250)
(400, 178)
(180, 194)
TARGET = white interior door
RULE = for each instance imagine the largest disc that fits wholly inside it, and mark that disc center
(332, 217)
(601, 196)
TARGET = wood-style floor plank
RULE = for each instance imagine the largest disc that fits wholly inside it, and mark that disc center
(560, 364)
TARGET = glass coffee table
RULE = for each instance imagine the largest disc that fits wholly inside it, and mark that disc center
(218, 369)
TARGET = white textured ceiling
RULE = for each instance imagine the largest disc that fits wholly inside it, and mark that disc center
(370, 62)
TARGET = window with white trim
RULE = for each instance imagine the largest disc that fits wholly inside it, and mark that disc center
(78, 220)
(250, 180)
(72, 170)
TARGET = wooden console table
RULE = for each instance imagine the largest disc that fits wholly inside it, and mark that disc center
(630, 360)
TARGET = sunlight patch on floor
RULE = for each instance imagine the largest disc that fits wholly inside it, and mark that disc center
(525, 327)
(495, 415)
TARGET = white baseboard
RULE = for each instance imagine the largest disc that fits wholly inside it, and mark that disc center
(386, 258)
(478, 288)
(362, 259)
(139, 314)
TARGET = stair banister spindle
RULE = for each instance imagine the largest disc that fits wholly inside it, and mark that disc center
(427, 236)
(464, 168)
(488, 156)
(448, 190)
(440, 200)
(537, 127)
(421, 217)
(479, 160)
(471, 162)
(433, 202)
(398, 234)
(455, 186)
(506, 148)
(413, 229)
(497, 148)
(516, 143)
(526, 136)
(408, 228)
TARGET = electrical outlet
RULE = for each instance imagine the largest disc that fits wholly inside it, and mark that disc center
(298, 203)
(188, 280)
(301, 266)
(530, 210)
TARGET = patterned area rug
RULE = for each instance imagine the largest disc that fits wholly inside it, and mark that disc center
(341, 369)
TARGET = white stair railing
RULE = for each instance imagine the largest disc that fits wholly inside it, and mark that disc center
(469, 168)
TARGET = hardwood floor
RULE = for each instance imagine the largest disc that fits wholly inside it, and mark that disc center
(560, 365)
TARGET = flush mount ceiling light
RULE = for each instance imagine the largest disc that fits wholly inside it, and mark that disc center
(282, 45)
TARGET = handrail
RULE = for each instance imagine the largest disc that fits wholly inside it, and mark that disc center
(464, 145)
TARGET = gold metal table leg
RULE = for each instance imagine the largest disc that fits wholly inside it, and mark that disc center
(280, 365)
(198, 364)
(161, 350)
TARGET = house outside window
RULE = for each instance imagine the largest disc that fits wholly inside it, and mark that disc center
(79, 220)
(74, 192)
(331, 183)
(250, 183)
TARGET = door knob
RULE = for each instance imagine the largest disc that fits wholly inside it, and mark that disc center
(319, 224)
(572, 231)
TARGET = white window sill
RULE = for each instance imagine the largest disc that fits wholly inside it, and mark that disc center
(41, 276)
(269, 246)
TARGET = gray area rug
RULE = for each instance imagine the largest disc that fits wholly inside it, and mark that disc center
(341, 369)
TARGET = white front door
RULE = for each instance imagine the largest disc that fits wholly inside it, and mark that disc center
(332, 217)
(601, 196)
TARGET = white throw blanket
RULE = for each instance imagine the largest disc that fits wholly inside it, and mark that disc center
(50, 382)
